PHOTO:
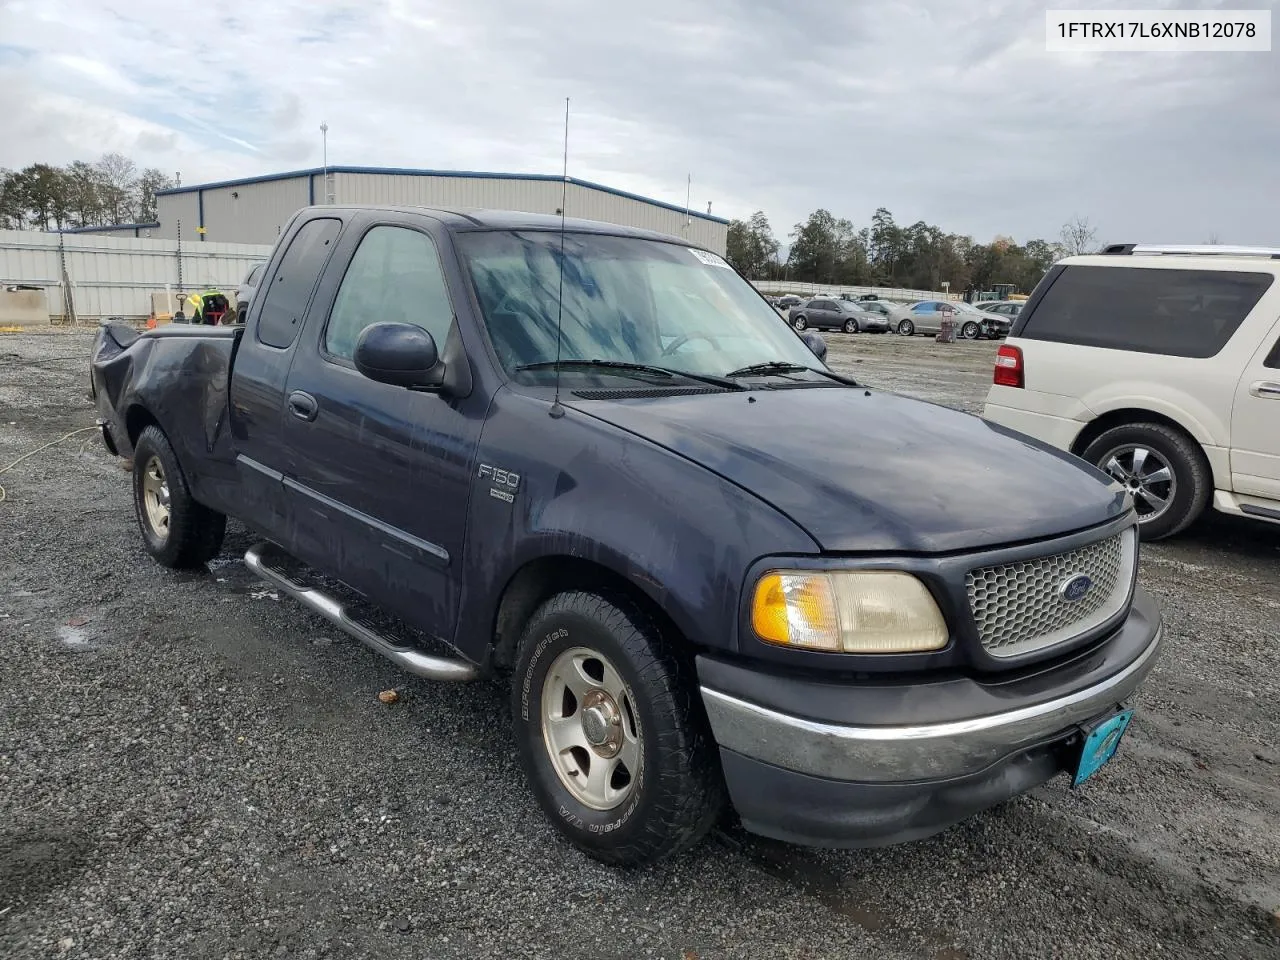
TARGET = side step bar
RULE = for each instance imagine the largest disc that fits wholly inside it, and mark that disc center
(414, 661)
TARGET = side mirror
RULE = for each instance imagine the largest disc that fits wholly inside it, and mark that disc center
(816, 344)
(401, 354)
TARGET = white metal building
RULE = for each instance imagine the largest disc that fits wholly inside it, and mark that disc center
(255, 209)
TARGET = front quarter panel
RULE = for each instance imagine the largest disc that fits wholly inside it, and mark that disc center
(591, 491)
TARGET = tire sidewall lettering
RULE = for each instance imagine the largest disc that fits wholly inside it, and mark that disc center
(569, 811)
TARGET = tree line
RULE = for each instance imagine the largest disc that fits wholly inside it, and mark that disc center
(108, 191)
(827, 249)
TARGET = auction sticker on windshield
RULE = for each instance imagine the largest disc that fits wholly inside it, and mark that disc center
(710, 259)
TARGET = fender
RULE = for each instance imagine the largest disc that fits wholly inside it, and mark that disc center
(178, 377)
(686, 543)
(1193, 415)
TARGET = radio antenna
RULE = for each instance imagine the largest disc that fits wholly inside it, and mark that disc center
(557, 411)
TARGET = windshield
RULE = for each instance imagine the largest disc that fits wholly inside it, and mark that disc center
(625, 299)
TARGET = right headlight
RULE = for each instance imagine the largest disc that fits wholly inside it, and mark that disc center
(847, 611)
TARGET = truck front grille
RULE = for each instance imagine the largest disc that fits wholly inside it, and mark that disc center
(1020, 607)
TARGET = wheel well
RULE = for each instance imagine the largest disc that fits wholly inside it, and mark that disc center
(541, 579)
(1118, 418)
(136, 420)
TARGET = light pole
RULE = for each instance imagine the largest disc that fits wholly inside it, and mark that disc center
(324, 152)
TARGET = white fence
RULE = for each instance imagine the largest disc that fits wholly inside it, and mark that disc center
(825, 289)
(93, 277)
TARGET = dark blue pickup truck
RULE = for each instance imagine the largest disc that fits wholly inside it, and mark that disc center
(593, 463)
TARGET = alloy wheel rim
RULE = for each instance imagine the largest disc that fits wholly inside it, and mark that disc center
(155, 497)
(590, 729)
(1146, 475)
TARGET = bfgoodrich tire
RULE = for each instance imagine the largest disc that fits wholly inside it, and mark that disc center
(176, 530)
(611, 731)
(1164, 469)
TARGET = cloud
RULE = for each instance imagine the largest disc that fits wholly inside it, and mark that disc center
(950, 113)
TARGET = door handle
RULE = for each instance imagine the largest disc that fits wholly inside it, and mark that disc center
(1266, 389)
(303, 405)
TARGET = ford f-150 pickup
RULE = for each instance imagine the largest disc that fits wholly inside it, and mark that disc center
(593, 463)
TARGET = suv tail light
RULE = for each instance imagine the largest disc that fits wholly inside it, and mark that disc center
(1009, 370)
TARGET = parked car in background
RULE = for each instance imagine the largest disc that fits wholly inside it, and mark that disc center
(248, 286)
(823, 313)
(926, 317)
(1160, 366)
(786, 303)
(883, 307)
(1003, 308)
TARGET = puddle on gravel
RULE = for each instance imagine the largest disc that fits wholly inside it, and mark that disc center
(75, 638)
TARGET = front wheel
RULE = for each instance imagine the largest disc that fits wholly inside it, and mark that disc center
(611, 732)
(177, 530)
(851, 326)
(1163, 469)
(800, 323)
(970, 330)
(906, 328)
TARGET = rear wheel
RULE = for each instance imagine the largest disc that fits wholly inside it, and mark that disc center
(176, 530)
(800, 323)
(906, 328)
(1162, 468)
(970, 330)
(611, 731)
(851, 326)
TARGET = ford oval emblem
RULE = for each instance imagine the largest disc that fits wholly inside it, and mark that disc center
(1075, 588)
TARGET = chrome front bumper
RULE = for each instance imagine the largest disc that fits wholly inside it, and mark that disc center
(902, 754)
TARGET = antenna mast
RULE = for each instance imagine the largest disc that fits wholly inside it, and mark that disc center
(557, 411)
(688, 197)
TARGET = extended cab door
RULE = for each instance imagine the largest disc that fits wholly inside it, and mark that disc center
(378, 478)
(1255, 424)
(261, 368)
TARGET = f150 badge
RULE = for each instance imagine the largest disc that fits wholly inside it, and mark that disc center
(504, 482)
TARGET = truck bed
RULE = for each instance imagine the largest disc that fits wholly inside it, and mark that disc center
(177, 376)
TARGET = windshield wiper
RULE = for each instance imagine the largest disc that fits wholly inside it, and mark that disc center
(784, 366)
(626, 366)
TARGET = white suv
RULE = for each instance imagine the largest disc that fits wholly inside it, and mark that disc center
(1160, 365)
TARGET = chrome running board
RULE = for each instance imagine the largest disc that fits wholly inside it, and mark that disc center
(414, 661)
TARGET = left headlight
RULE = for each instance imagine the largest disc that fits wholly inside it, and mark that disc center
(847, 611)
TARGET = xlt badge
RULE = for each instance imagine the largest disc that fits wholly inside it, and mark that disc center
(505, 483)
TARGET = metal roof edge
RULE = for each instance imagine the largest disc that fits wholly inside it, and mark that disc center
(112, 226)
(412, 172)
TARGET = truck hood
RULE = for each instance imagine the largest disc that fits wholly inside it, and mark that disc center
(862, 470)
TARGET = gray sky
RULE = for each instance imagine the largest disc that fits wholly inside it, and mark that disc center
(948, 112)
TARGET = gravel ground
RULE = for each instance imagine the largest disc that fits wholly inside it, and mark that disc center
(192, 767)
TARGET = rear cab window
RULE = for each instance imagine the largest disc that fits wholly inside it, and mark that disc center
(286, 296)
(1178, 313)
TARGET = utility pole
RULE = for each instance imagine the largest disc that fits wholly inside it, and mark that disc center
(324, 150)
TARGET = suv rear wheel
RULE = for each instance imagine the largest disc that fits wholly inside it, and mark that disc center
(611, 732)
(1162, 468)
